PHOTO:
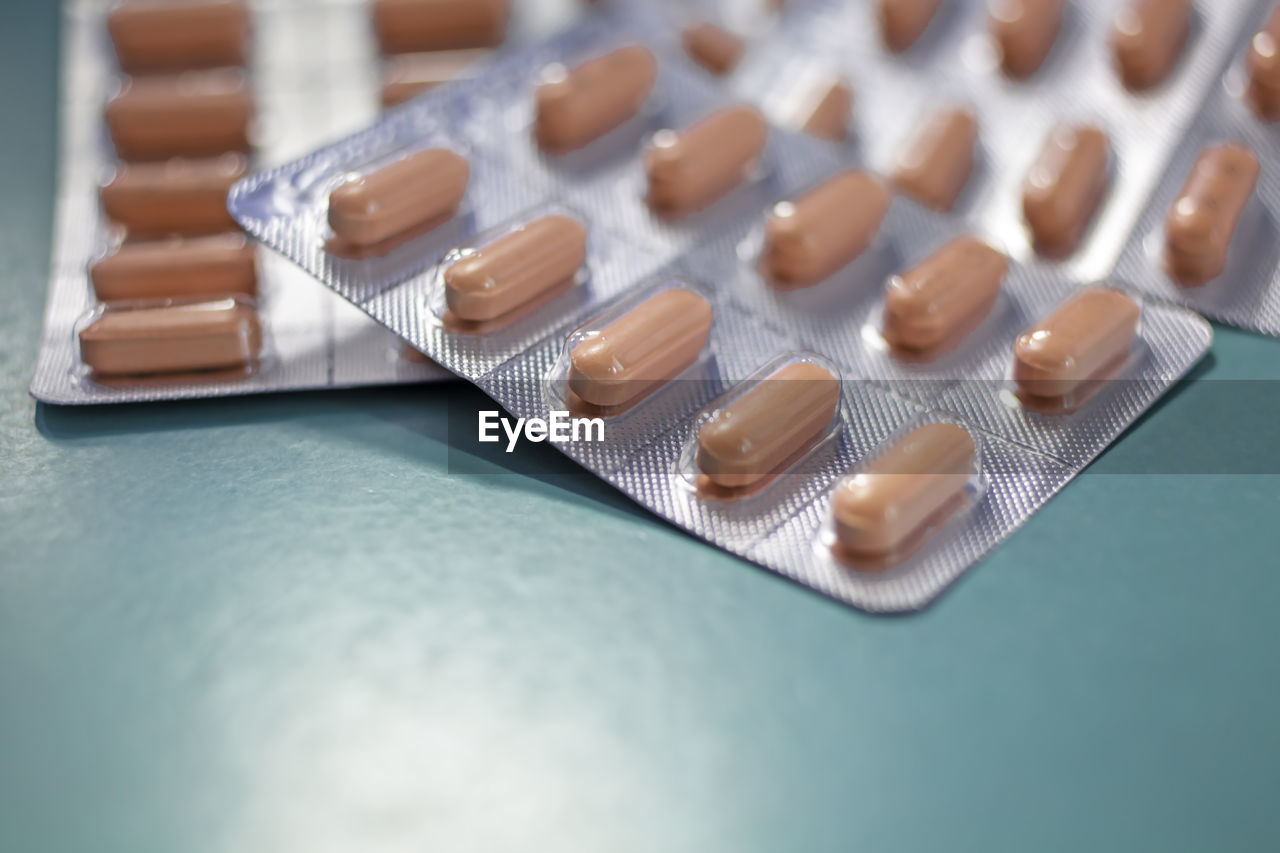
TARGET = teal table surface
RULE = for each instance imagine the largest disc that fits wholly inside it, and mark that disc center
(303, 623)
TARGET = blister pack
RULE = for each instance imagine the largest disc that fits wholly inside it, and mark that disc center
(719, 317)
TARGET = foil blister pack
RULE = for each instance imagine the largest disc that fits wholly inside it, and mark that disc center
(759, 344)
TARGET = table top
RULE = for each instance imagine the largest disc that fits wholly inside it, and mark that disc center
(302, 622)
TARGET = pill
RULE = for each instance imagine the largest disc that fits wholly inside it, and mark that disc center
(650, 344)
(171, 35)
(1147, 37)
(516, 268)
(406, 76)
(902, 22)
(415, 190)
(184, 197)
(406, 26)
(1076, 342)
(825, 110)
(808, 239)
(1024, 31)
(714, 48)
(781, 417)
(194, 114)
(944, 296)
(938, 162)
(1203, 219)
(1263, 64)
(187, 267)
(1064, 187)
(575, 107)
(689, 170)
(214, 335)
(898, 495)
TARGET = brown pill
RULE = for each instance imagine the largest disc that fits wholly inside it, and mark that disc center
(714, 48)
(1203, 219)
(1147, 37)
(951, 291)
(415, 190)
(576, 107)
(182, 197)
(939, 161)
(406, 76)
(194, 114)
(407, 26)
(810, 238)
(769, 425)
(170, 35)
(1263, 65)
(640, 350)
(689, 170)
(826, 110)
(1025, 31)
(1064, 188)
(879, 510)
(1077, 342)
(516, 268)
(215, 335)
(902, 22)
(224, 264)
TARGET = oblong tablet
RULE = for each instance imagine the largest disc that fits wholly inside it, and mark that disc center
(825, 110)
(945, 295)
(902, 22)
(938, 162)
(406, 76)
(182, 268)
(1064, 187)
(914, 482)
(215, 335)
(415, 190)
(785, 413)
(810, 238)
(643, 348)
(194, 114)
(1263, 64)
(165, 35)
(690, 169)
(1076, 342)
(1147, 38)
(182, 197)
(714, 48)
(576, 107)
(407, 26)
(516, 268)
(1202, 222)
(1024, 31)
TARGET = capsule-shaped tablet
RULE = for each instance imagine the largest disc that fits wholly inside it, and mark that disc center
(182, 197)
(902, 22)
(409, 75)
(224, 264)
(1064, 188)
(1263, 64)
(217, 335)
(1079, 340)
(948, 293)
(778, 419)
(913, 484)
(1202, 222)
(1024, 32)
(714, 48)
(810, 238)
(516, 268)
(413, 191)
(407, 26)
(938, 162)
(1147, 37)
(825, 110)
(576, 107)
(691, 169)
(195, 114)
(176, 35)
(650, 344)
